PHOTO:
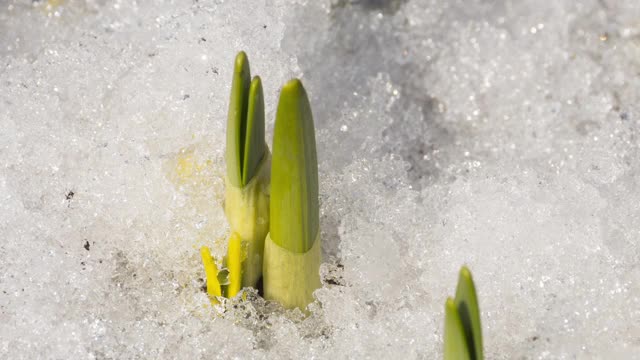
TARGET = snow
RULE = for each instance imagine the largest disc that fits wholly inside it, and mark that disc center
(502, 135)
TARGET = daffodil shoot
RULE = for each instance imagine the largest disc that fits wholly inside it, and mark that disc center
(462, 329)
(271, 202)
(292, 250)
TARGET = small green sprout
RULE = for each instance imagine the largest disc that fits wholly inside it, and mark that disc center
(211, 271)
(292, 248)
(247, 182)
(278, 237)
(246, 147)
(246, 202)
(462, 329)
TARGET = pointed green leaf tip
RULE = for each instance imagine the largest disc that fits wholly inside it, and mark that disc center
(294, 172)
(455, 345)
(254, 145)
(467, 305)
(463, 333)
(245, 124)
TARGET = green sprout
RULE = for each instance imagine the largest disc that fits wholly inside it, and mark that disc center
(246, 187)
(292, 248)
(246, 202)
(246, 147)
(277, 237)
(211, 271)
(462, 329)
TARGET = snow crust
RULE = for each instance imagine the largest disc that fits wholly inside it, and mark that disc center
(501, 135)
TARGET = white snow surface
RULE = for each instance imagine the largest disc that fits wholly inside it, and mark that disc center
(501, 135)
